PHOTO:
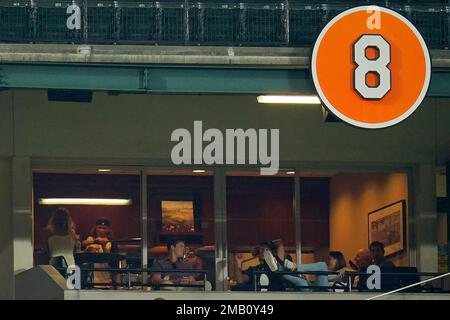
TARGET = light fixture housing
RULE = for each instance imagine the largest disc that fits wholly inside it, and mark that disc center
(288, 99)
(85, 201)
(199, 171)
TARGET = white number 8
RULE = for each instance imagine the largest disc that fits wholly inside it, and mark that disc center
(379, 66)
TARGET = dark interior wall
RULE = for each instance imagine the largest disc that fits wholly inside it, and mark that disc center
(125, 220)
(199, 189)
(315, 212)
(261, 209)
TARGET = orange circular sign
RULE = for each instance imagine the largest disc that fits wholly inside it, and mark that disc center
(371, 67)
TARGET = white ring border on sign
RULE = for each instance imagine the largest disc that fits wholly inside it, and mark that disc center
(365, 124)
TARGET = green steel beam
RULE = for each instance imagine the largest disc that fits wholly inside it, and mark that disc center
(173, 79)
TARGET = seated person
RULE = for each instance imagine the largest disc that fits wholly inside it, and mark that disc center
(377, 253)
(63, 238)
(99, 241)
(362, 260)
(100, 238)
(336, 263)
(174, 261)
(276, 260)
(246, 278)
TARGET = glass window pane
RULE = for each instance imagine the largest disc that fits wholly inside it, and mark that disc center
(181, 207)
(85, 216)
(259, 209)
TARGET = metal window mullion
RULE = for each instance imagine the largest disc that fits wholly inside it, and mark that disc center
(220, 227)
(144, 221)
(297, 216)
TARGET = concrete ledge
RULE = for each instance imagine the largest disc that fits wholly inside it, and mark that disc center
(40, 283)
(125, 54)
(237, 296)
(129, 54)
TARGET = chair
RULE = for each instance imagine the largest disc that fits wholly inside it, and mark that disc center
(60, 264)
(264, 282)
(339, 286)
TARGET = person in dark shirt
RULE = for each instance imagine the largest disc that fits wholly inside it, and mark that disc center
(246, 279)
(377, 253)
(174, 261)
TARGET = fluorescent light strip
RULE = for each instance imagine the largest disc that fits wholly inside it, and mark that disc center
(289, 99)
(85, 201)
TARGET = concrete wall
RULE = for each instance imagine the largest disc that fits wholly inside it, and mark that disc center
(139, 127)
(442, 130)
(6, 231)
(40, 283)
(6, 123)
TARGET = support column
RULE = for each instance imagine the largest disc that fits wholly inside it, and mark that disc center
(144, 226)
(220, 229)
(6, 231)
(22, 213)
(425, 218)
(447, 174)
(297, 216)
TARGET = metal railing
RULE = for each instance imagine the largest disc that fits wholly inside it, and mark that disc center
(349, 285)
(210, 22)
(441, 277)
(128, 283)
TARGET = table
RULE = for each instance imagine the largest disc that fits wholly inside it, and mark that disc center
(113, 259)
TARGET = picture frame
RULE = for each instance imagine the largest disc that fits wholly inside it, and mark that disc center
(177, 216)
(192, 232)
(388, 226)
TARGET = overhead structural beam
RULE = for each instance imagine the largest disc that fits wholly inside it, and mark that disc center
(169, 79)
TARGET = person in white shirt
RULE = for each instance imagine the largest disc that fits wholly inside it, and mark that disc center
(63, 238)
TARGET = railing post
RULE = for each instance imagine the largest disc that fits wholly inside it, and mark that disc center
(32, 21)
(159, 16)
(117, 21)
(242, 22)
(286, 22)
(201, 21)
(186, 22)
(85, 21)
(447, 11)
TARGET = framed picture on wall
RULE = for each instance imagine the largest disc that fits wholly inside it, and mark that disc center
(177, 216)
(180, 217)
(387, 225)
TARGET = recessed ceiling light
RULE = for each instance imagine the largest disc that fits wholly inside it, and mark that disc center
(290, 172)
(104, 170)
(290, 99)
(198, 171)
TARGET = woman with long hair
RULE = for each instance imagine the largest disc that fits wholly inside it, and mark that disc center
(63, 238)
